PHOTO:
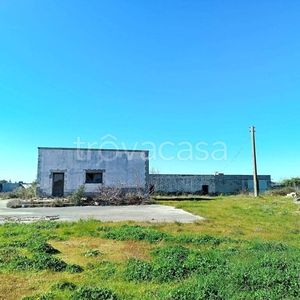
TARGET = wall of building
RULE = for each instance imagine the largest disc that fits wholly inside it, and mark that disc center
(8, 187)
(127, 168)
(230, 184)
(182, 183)
(227, 184)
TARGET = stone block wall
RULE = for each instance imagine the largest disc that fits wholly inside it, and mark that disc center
(182, 183)
(227, 184)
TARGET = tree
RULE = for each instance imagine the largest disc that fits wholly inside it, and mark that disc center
(293, 182)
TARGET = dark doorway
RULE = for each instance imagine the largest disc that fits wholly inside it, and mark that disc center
(58, 185)
(151, 189)
(205, 189)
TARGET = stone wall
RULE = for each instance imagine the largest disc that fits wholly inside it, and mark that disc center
(182, 183)
(227, 184)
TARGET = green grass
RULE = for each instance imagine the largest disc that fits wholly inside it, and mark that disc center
(246, 248)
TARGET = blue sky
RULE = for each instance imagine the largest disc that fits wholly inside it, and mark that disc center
(184, 79)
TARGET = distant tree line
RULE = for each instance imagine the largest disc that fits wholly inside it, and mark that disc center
(291, 182)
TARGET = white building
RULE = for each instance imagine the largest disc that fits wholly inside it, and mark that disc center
(62, 170)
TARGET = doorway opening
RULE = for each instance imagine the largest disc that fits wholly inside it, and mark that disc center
(205, 189)
(58, 184)
(151, 189)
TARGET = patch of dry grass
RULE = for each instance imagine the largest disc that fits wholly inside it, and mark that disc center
(72, 250)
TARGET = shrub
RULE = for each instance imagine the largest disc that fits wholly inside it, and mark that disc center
(76, 198)
(268, 246)
(133, 197)
(136, 233)
(21, 263)
(109, 195)
(281, 192)
(138, 270)
(170, 263)
(291, 182)
(211, 287)
(16, 203)
(73, 268)
(203, 240)
(64, 285)
(45, 296)
(42, 247)
(116, 195)
(94, 293)
(47, 262)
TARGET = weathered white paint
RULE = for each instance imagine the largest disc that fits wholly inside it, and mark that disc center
(126, 168)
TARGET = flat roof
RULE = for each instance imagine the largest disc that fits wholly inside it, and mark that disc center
(92, 149)
(208, 175)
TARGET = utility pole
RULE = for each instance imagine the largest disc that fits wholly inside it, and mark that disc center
(255, 181)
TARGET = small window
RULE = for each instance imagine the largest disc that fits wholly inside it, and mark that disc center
(93, 177)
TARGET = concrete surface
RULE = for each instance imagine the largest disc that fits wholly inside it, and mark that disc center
(151, 213)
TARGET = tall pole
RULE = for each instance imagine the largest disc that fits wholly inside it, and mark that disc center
(255, 181)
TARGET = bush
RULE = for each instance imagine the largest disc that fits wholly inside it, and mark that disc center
(109, 195)
(76, 198)
(138, 270)
(16, 203)
(133, 197)
(73, 268)
(47, 262)
(94, 293)
(281, 192)
(117, 195)
(268, 246)
(136, 233)
(43, 247)
(204, 240)
(21, 263)
(295, 181)
(170, 263)
(22, 193)
(64, 285)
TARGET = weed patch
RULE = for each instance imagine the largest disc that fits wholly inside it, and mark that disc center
(94, 293)
(134, 232)
(74, 268)
(64, 285)
(91, 253)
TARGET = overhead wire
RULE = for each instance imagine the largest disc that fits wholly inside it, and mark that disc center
(263, 131)
(236, 154)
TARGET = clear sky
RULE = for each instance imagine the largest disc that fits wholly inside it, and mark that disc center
(184, 79)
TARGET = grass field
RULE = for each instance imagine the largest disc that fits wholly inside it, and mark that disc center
(246, 248)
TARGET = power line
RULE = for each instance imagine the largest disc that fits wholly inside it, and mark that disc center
(236, 154)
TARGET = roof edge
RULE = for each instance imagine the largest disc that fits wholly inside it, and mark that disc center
(92, 149)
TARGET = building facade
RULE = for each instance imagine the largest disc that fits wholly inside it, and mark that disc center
(207, 184)
(9, 187)
(62, 170)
